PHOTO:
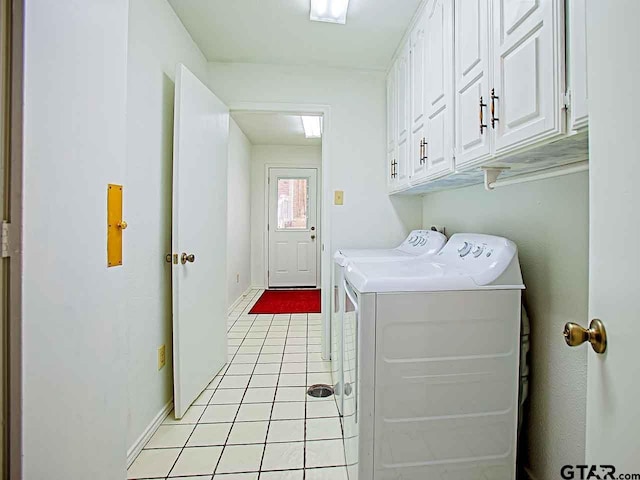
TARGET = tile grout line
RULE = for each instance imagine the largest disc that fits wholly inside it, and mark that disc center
(275, 395)
(233, 423)
(207, 406)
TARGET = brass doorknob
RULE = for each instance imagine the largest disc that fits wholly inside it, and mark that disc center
(184, 258)
(596, 335)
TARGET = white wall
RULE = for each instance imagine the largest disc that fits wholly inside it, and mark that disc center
(357, 142)
(157, 43)
(239, 214)
(275, 155)
(549, 221)
(74, 376)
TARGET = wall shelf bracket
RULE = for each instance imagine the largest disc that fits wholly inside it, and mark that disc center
(491, 175)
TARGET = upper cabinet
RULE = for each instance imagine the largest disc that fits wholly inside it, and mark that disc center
(472, 81)
(485, 83)
(398, 121)
(526, 98)
(438, 147)
(577, 93)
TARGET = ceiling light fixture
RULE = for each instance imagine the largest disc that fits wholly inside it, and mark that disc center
(312, 126)
(332, 11)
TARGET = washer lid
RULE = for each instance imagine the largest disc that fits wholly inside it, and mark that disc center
(467, 262)
(419, 243)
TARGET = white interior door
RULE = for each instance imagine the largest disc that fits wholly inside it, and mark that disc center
(201, 132)
(292, 227)
(613, 410)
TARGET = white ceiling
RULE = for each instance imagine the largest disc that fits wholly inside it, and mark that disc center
(273, 128)
(280, 32)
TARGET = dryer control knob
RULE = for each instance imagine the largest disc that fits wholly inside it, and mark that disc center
(465, 249)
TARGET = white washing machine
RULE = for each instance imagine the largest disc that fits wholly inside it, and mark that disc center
(419, 244)
(431, 364)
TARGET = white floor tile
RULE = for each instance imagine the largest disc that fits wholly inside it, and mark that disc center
(244, 433)
(209, 434)
(219, 414)
(314, 378)
(322, 408)
(196, 461)
(234, 381)
(168, 436)
(288, 411)
(270, 358)
(291, 394)
(153, 463)
(240, 458)
(283, 456)
(294, 357)
(259, 395)
(324, 428)
(245, 358)
(283, 475)
(319, 367)
(250, 412)
(258, 381)
(286, 431)
(235, 476)
(192, 416)
(273, 349)
(228, 396)
(292, 380)
(335, 473)
(324, 453)
(240, 369)
(267, 369)
(204, 398)
(294, 368)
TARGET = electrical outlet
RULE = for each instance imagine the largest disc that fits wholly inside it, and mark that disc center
(162, 356)
(438, 228)
(237, 278)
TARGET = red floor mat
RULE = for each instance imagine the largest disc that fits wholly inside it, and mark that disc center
(288, 301)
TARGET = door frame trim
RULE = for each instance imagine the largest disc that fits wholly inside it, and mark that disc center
(325, 217)
(13, 310)
(319, 233)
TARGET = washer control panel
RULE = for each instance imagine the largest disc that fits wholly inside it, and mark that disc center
(423, 242)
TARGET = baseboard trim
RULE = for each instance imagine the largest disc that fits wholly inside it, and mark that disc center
(142, 440)
(529, 474)
(238, 300)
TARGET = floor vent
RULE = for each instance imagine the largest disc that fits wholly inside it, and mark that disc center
(320, 391)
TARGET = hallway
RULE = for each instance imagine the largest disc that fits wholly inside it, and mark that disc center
(255, 421)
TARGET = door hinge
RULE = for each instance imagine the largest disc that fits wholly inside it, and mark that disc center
(567, 100)
(267, 227)
(6, 242)
(268, 273)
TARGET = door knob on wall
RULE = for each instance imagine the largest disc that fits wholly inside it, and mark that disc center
(596, 335)
(184, 258)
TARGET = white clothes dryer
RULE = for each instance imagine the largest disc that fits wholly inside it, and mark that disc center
(431, 364)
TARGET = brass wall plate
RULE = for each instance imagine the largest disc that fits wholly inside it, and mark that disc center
(114, 225)
(338, 197)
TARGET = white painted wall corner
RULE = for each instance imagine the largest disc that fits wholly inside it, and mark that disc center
(233, 306)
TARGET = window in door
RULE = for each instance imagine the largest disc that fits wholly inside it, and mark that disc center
(293, 203)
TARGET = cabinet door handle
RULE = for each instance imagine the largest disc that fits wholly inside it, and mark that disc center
(494, 97)
(482, 124)
(425, 157)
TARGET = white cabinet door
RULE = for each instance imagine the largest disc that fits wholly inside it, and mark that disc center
(472, 79)
(577, 63)
(417, 162)
(403, 137)
(439, 92)
(528, 75)
(392, 123)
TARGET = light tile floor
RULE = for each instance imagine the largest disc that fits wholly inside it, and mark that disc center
(254, 421)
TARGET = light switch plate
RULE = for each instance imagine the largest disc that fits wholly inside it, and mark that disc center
(338, 197)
